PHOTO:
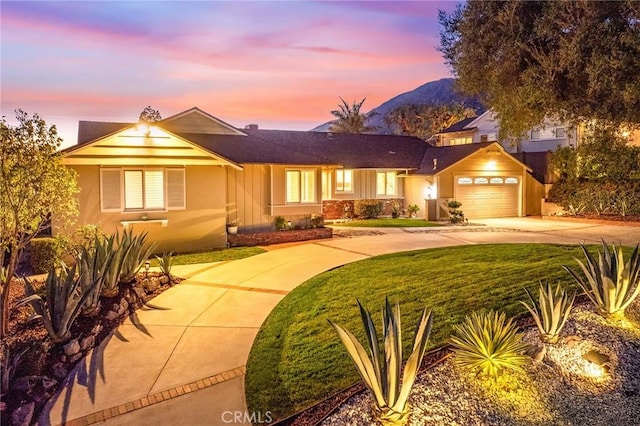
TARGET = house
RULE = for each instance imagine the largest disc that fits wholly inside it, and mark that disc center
(548, 136)
(184, 178)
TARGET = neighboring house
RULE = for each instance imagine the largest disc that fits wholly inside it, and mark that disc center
(548, 136)
(184, 178)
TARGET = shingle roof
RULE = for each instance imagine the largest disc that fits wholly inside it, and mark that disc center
(299, 147)
(459, 126)
(446, 156)
(89, 131)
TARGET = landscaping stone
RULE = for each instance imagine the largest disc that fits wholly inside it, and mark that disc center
(48, 383)
(111, 315)
(72, 348)
(537, 352)
(88, 342)
(164, 280)
(22, 415)
(25, 383)
(122, 308)
(60, 370)
(75, 358)
(151, 284)
(96, 329)
(571, 341)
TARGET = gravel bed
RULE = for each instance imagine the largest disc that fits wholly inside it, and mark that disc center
(556, 391)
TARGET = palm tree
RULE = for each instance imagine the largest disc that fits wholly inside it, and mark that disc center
(350, 120)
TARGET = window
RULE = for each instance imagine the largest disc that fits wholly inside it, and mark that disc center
(511, 180)
(561, 132)
(496, 180)
(460, 141)
(344, 180)
(386, 183)
(142, 189)
(481, 180)
(484, 138)
(465, 181)
(535, 134)
(301, 186)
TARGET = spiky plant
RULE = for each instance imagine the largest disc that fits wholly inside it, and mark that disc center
(111, 276)
(165, 263)
(94, 261)
(8, 367)
(382, 371)
(610, 283)
(64, 299)
(551, 311)
(485, 343)
(136, 252)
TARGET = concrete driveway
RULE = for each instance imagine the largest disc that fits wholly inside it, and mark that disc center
(187, 363)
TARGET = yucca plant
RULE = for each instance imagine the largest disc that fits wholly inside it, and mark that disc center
(381, 372)
(94, 261)
(610, 283)
(64, 299)
(136, 252)
(485, 343)
(551, 311)
(165, 263)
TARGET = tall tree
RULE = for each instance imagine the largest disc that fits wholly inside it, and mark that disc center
(349, 119)
(425, 121)
(149, 115)
(573, 60)
(34, 187)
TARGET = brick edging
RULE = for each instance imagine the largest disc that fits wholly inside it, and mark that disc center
(156, 398)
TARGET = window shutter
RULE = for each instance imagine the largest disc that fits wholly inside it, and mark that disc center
(110, 190)
(133, 193)
(154, 189)
(176, 192)
(293, 186)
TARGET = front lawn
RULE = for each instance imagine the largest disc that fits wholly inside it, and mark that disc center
(297, 359)
(213, 256)
(388, 223)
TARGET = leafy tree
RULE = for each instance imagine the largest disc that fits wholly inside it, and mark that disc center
(424, 121)
(34, 186)
(573, 60)
(149, 115)
(349, 119)
(603, 155)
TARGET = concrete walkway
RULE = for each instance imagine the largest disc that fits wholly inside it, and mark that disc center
(186, 363)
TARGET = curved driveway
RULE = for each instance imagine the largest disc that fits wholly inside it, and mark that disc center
(187, 363)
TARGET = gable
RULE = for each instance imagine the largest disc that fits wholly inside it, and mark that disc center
(137, 145)
(197, 121)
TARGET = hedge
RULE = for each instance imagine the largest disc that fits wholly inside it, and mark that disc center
(597, 197)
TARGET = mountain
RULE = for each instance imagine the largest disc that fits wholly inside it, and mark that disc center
(437, 92)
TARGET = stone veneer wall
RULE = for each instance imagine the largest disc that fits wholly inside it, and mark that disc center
(339, 209)
(277, 237)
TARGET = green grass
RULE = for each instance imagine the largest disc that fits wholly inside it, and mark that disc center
(388, 223)
(212, 256)
(297, 359)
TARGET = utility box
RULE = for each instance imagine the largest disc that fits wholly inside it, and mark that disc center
(430, 210)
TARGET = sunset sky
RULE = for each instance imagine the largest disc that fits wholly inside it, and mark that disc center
(275, 63)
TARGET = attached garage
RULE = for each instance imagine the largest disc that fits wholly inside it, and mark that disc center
(488, 196)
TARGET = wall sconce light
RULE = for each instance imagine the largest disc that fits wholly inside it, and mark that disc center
(147, 265)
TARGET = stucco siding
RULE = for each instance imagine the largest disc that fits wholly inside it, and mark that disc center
(200, 226)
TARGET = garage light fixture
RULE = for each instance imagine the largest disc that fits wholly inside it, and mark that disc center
(491, 165)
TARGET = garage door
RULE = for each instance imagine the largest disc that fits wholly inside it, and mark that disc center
(488, 196)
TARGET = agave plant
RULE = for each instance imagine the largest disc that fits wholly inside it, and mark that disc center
(64, 299)
(111, 276)
(551, 311)
(382, 371)
(610, 283)
(136, 252)
(166, 263)
(94, 261)
(485, 342)
(8, 367)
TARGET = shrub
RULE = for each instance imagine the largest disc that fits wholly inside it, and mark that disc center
(551, 311)
(381, 373)
(455, 214)
(61, 306)
(166, 263)
(412, 209)
(45, 252)
(281, 223)
(597, 196)
(485, 343)
(316, 221)
(367, 209)
(395, 209)
(610, 283)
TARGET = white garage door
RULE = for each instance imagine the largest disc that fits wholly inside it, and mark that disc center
(488, 196)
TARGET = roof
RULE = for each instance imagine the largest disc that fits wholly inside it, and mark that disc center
(316, 148)
(447, 156)
(460, 126)
(88, 131)
(539, 164)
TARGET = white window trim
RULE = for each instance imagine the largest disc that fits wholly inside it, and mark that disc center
(123, 209)
(395, 184)
(286, 189)
(144, 208)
